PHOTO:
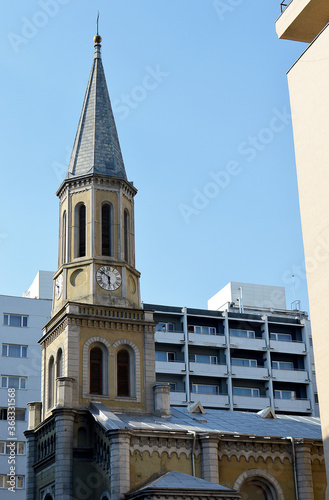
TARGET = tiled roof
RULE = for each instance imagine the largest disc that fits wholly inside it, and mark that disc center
(220, 421)
(96, 148)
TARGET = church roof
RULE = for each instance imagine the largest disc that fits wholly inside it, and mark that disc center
(220, 421)
(175, 480)
(96, 148)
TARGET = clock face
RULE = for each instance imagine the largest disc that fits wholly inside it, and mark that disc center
(58, 286)
(108, 278)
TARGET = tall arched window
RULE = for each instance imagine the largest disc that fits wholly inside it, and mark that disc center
(64, 243)
(123, 373)
(96, 370)
(107, 229)
(126, 234)
(59, 363)
(81, 231)
(51, 382)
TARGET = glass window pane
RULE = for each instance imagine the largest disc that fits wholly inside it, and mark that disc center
(19, 482)
(24, 351)
(24, 320)
(2, 447)
(255, 393)
(14, 351)
(20, 414)
(197, 329)
(160, 327)
(171, 356)
(160, 356)
(253, 363)
(21, 448)
(13, 382)
(170, 327)
(4, 381)
(4, 350)
(15, 320)
(5, 322)
(23, 383)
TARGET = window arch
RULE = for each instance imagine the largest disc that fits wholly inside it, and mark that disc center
(64, 238)
(126, 235)
(107, 229)
(258, 483)
(81, 230)
(96, 371)
(59, 363)
(51, 381)
(123, 373)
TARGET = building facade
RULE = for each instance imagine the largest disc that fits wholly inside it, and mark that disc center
(21, 323)
(307, 21)
(245, 352)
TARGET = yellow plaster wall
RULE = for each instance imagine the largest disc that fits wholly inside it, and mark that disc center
(112, 336)
(319, 480)
(78, 281)
(143, 466)
(229, 470)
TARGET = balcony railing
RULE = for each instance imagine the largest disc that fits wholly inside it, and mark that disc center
(284, 4)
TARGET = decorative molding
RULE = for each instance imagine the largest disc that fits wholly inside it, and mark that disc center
(161, 445)
(317, 454)
(253, 450)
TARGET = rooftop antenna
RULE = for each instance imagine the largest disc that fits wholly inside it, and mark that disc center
(293, 284)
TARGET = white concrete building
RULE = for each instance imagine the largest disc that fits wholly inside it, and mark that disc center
(246, 352)
(21, 322)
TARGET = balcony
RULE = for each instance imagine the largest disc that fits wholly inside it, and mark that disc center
(250, 403)
(207, 340)
(302, 20)
(208, 370)
(169, 337)
(293, 405)
(300, 376)
(248, 344)
(248, 372)
(170, 367)
(177, 398)
(213, 400)
(288, 347)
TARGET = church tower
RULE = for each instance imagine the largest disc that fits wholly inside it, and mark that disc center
(98, 346)
(96, 217)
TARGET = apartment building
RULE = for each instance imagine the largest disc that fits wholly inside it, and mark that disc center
(21, 322)
(247, 351)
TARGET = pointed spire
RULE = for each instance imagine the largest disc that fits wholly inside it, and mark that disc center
(96, 148)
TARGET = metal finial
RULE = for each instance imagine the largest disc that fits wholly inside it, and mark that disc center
(97, 38)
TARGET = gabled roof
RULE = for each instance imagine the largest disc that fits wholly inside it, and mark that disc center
(96, 148)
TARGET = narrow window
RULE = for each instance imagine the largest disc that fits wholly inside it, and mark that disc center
(123, 373)
(59, 363)
(64, 232)
(51, 380)
(107, 217)
(82, 231)
(126, 231)
(96, 370)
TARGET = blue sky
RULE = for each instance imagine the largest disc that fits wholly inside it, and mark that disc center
(201, 102)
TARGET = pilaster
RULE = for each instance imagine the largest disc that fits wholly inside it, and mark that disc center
(304, 471)
(64, 419)
(119, 464)
(209, 458)
(30, 460)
